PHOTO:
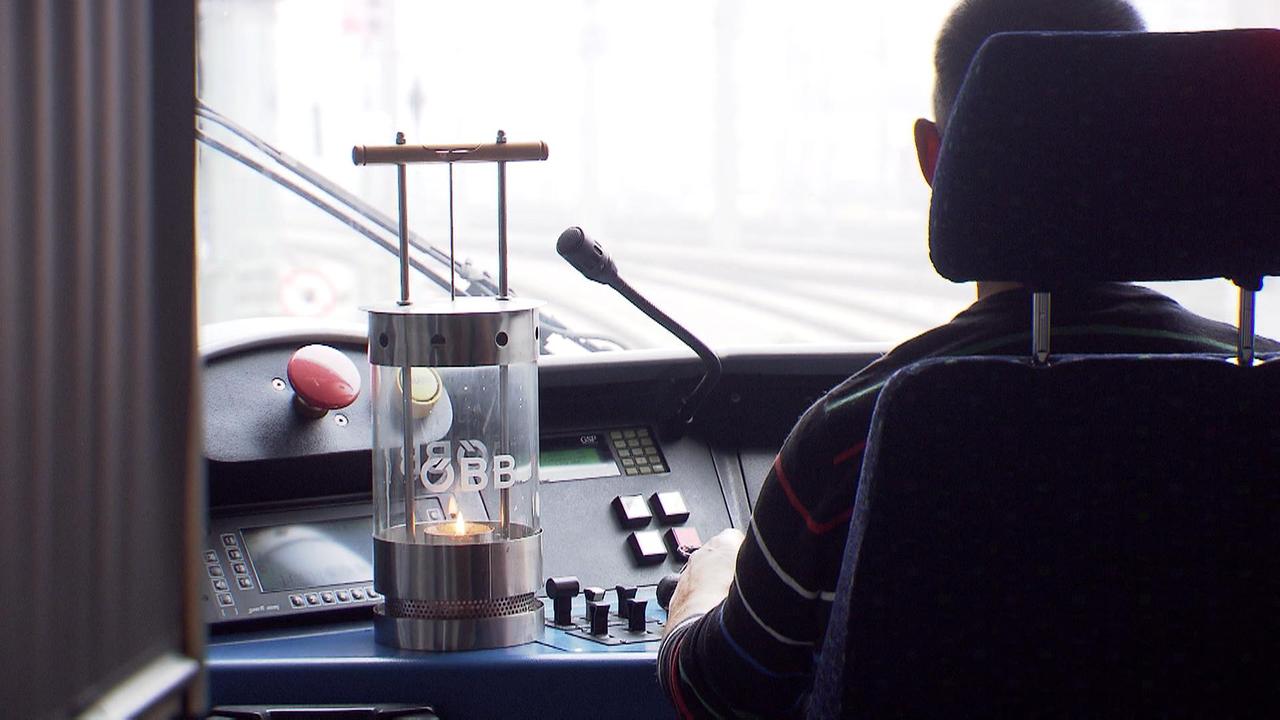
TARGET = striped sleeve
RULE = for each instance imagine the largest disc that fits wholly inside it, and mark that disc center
(752, 655)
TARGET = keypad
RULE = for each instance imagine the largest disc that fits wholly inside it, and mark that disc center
(637, 451)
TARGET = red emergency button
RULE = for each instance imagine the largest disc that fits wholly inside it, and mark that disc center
(323, 379)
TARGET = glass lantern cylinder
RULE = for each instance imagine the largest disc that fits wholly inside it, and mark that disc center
(457, 541)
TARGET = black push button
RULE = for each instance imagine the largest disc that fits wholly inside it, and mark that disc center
(598, 614)
(327, 597)
(296, 601)
(667, 588)
(313, 599)
(647, 547)
(593, 593)
(210, 556)
(244, 583)
(357, 594)
(636, 615)
(625, 594)
(344, 596)
(669, 507)
(225, 600)
(562, 591)
(632, 511)
(219, 584)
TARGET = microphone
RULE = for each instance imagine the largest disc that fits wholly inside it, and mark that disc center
(590, 259)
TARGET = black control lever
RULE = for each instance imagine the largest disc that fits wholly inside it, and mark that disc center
(589, 257)
(562, 591)
(625, 594)
(667, 588)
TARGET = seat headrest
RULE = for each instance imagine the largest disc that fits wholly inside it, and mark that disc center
(1085, 157)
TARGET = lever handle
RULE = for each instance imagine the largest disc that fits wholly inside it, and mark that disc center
(667, 588)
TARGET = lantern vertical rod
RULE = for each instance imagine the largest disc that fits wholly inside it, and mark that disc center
(406, 421)
(503, 289)
(401, 182)
(406, 371)
(504, 495)
(453, 266)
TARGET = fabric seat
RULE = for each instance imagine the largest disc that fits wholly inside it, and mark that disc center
(1092, 544)
(1081, 536)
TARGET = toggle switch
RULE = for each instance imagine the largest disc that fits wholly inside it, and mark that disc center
(598, 614)
(669, 507)
(625, 593)
(593, 593)
(562, 591)
(636, 615)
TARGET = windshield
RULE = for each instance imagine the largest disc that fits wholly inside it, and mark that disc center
(748, 164)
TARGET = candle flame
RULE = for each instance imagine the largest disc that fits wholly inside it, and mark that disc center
(459, 525)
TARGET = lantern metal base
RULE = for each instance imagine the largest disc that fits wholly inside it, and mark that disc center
(447, 596)
(458, 634)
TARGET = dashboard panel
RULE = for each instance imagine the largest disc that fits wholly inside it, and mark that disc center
(624, 495)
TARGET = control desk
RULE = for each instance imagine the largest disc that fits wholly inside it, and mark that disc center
(624, 499)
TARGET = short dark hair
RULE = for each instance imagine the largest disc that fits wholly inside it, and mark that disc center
(973, 21)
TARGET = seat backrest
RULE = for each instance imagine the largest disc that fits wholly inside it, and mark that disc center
(1087, 157)
(1032, 565)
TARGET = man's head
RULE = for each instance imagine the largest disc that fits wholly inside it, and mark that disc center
(973, 21)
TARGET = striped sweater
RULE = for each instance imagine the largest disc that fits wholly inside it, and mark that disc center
(751, 656)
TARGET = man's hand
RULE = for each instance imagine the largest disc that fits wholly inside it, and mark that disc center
(706, 577)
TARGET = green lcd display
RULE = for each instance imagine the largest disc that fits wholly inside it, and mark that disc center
(575, 457)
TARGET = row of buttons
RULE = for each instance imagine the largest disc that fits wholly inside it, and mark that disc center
(329, 597)
(238, 566)
(648, 549)
(633, 512)
(637, 452)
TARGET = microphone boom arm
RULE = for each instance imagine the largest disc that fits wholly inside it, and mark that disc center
(590, 259)
(713, 369)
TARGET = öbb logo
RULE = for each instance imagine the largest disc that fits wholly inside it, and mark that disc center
(469, 466)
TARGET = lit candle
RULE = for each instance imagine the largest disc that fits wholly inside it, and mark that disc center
(459, 528)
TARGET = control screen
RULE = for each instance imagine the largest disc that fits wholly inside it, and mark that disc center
(305, 555)
(574, 457)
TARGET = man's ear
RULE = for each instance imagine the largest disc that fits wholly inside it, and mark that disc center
(928, 143)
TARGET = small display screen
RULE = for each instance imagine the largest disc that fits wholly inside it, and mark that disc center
(574, 457)
(306, 555)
